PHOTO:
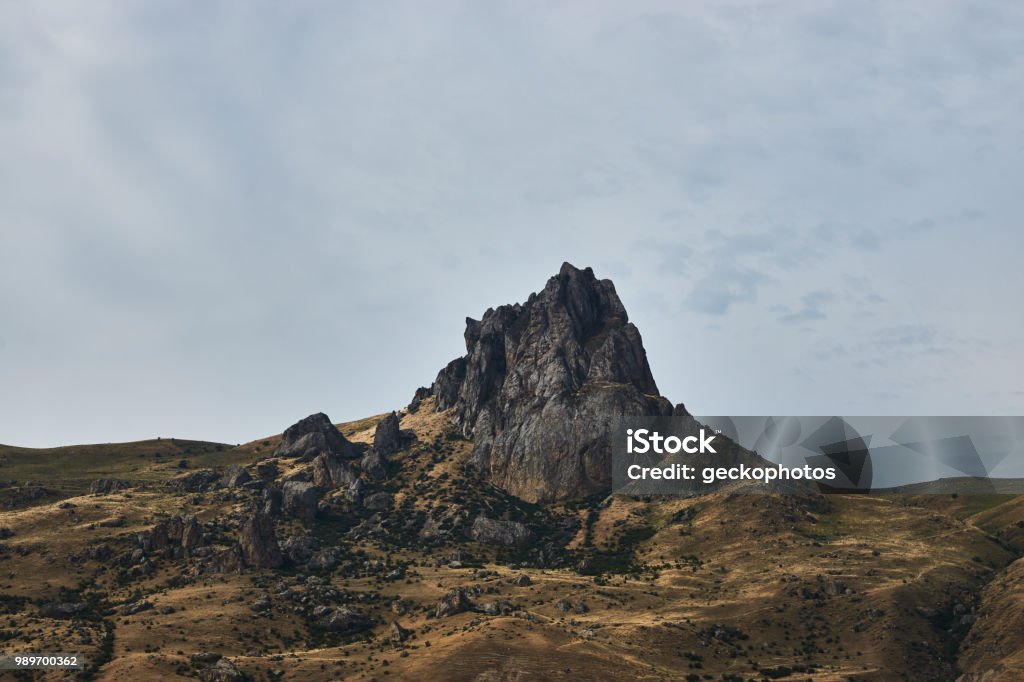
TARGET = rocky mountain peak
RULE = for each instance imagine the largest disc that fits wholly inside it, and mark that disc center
(539, 381)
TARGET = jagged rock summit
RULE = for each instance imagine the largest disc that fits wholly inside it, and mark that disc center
(540, 380)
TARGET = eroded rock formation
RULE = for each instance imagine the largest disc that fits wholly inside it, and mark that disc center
(540, 381)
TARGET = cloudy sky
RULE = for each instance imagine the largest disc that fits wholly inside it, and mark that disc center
(216, 218)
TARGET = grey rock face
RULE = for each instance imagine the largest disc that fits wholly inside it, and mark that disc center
(374, 466)
(539, 382)
(330, 471)
(299, 499)
(309, 437)
(258, 542)
(495, 532)
(387, 439)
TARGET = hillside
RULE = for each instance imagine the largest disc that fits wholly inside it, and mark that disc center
(430, 543)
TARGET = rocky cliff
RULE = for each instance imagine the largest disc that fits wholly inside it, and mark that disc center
(540, 381)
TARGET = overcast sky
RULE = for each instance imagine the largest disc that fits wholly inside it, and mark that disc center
(217, 218)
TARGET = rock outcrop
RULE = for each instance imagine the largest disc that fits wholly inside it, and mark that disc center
(258, 542)
(330, 471)
(387, 439)
(299, 499)
(174, 538)
(374, 466)
(539, 382)
(313, 435)
(496, 532)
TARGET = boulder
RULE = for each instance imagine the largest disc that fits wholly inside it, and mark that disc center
(299, 500)
(235, 477)
(454, 601)
(387, 438)
(313, 435)
(494, 532)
